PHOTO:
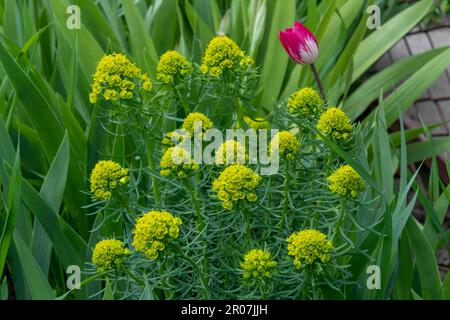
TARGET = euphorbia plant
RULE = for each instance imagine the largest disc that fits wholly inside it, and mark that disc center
(229, 210)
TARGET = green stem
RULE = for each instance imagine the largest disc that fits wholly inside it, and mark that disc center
(246, 215)
(73, 74)
(237, 106)
(150, 146)
(200, 226)
(306, 283)
(167, 281)
(319, 82)
(141, 282)
(339, 223)
(82, 283)
(152, 167)
(132, 276)
(286, 194)
(201, 274)
(195, 203)
(263, 291)
(315, 220)
(184, 104)
(329, 164)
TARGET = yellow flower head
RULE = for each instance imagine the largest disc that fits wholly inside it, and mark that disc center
(305, 102)
(106, 176)
(196, 119)
(177, 161)
(174, 138)
(257, 124)
(215, 71)
(172, 65)
(223, 54)
(346, 182)
(109, 254)
(236, 152)
(286, 144)
(335, 123)
(153, 231)
(236, 183)
(309, 246)
(246, 62)
(257, 264)
(116, 78)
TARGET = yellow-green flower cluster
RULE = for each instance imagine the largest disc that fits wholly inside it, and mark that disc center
(153, 231)
(346, 182)
(223, 54)
(309, 246)
(106, 176)
(257, 124)
(258, 264)
(305, 102)
(177, 161)
(174, 138)
(286, 144)
(246, 62)
(236, 183)
(109, 254)
(236, 152)
(197, 118)
(335, 123)
(116, 78)
(172, 66)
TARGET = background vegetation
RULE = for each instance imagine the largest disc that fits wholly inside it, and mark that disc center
(51, 137)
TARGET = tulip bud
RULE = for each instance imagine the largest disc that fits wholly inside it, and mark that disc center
(300, 44)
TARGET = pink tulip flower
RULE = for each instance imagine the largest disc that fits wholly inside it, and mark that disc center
(300, 44)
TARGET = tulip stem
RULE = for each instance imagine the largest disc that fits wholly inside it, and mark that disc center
(319, 82)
